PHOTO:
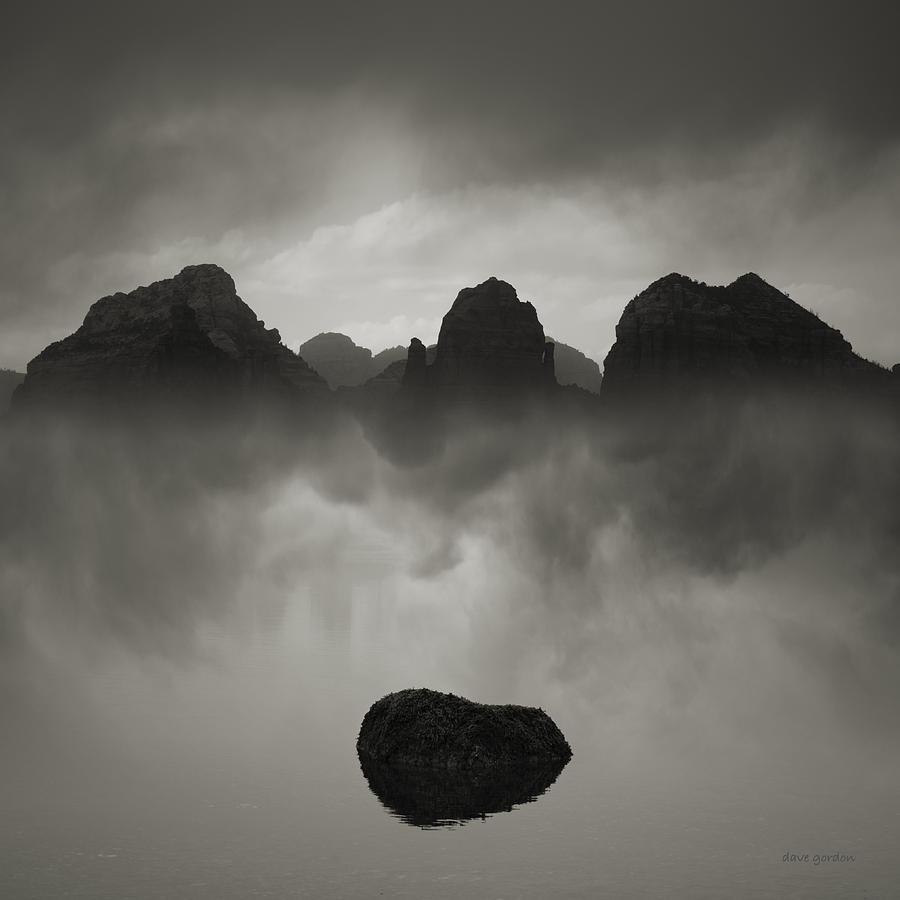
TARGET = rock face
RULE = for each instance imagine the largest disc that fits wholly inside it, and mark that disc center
(188, 337)
(344, 364)
(9, 381)
(571, 367)
(392, 377)
(679, 331)
(414, 372)
(423, 728)
(490, 340)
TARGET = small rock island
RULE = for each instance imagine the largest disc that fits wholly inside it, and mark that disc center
(428, 729)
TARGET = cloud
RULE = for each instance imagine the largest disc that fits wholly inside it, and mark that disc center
(578, 249)
(721, 583)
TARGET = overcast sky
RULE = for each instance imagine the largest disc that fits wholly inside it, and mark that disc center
(354, 165)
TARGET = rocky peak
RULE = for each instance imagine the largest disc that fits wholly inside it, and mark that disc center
(751, 281)
(679, 330)
(673, 279)
(187, 335)
(490, 339)
(414, 373)
(489, 294)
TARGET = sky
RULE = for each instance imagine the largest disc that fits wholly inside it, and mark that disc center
(353, 166)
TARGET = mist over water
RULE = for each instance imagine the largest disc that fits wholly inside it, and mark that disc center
(195, 618)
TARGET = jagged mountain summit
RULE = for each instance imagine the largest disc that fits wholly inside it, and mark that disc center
(342, 363)
(186, 337)
(489, 339)
(191, 338)
(680, 333)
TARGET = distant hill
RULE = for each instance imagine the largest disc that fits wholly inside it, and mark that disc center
(573, 367)
(344, 364)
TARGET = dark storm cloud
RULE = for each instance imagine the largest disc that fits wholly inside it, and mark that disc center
(719, 486)
(494, 88)
(570, 72)
(141, 535)
(150, 531)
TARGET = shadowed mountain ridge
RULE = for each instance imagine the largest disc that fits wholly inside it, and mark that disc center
(680, 333)
(342, 363)
(191, 337)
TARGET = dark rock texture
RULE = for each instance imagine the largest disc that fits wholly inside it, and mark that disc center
(419, 727)
(490, 340)
(9, 381)
(344, 364)
(549, 362)
(190, 336)
(680, 332)
(442, 798)
(390, 379)
(414, 372)
(573, 367)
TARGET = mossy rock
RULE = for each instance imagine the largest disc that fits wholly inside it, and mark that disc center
(423, 728)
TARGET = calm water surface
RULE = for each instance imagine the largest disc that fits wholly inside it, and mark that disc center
(233, 774)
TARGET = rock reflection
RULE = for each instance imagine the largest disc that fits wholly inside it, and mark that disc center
(445, 798)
